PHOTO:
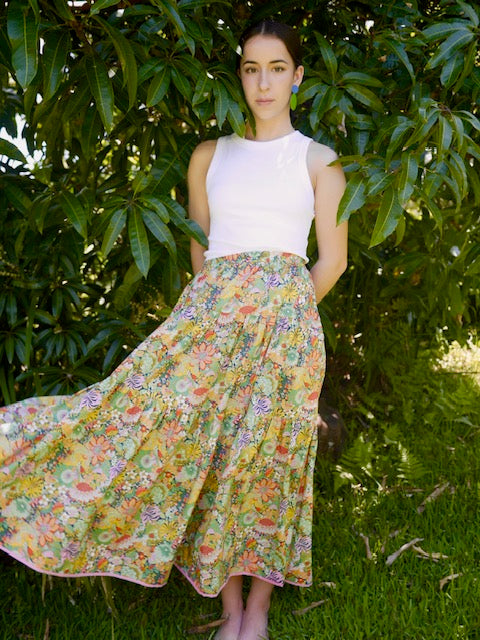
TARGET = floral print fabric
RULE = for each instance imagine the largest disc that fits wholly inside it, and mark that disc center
(197, 451)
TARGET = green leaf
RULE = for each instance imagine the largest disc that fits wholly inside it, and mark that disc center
(456, 41)
(378, 182)
(451, 69)
(407, 177)
(125, 55)
(11, 151)
(182, 84)
(74, 212)
(421, 132)
(54, 58)
(389, 214)
(189, 227)
(401, 54)
(17, 197)
(101, 88)
(114, 229)
(159, 85)
(169, 7)
(471, 12)
(63, 10)
(160, 230)
(139, 241)
(328, 56)
(203, 89)
(445, 134)
(441, 30)
(155, 204)
(353, 198)
(222, 102)
(365, 96)
(22, 28)
(364, 79)
(90, 132)
(236, 119)
(98, 5)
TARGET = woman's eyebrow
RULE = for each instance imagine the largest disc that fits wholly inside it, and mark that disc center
(271, 61)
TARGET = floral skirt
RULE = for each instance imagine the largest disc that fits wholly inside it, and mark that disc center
(198, 451)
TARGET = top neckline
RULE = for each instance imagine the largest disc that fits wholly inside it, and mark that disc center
(263, 143)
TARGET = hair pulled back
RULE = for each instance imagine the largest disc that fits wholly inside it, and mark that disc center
(288, 35)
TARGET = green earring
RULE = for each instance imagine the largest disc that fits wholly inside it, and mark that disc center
(293, 97)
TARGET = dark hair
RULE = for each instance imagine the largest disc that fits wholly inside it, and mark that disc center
(283, 32)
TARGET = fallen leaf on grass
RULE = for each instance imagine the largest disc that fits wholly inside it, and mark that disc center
(367, 545)
(439, 489)
(299, 612)
(202, 628)
(393, 556)
(331, 585)
(449, 578)
(46, 635)
(391, 535)
(435, 556)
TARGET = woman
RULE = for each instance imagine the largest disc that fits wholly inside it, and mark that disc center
(231, 187)
(198, 450)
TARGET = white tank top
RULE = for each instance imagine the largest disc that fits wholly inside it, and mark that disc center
(260, 196)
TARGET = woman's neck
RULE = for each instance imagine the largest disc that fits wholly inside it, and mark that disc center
(265, 131)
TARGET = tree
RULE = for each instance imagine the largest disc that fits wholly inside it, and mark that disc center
(94, 237)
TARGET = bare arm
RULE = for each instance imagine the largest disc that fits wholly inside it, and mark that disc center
(197, 197)
(329, 185)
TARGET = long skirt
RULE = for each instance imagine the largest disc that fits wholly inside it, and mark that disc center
(198, 451)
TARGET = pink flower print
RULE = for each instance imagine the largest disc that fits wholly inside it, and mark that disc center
(204, 352)
(47, 527)
(91, 399)
(276, 577)
(70, 551)
(262, 406)
(303, 544)
(99, 446)
(151, 514)
(135, 381)
(117, 468)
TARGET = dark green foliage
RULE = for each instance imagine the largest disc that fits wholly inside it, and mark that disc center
(94, 237)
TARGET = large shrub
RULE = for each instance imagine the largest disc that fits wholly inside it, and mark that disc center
(94, 237)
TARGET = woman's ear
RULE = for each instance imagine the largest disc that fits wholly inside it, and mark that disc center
(298, 75)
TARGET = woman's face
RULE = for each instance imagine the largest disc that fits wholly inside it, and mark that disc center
(267, 72)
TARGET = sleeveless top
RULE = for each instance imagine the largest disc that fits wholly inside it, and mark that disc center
(260, 196)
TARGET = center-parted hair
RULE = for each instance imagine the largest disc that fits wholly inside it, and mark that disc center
(288, 35)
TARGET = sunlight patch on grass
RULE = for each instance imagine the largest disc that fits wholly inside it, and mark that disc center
(464, 360)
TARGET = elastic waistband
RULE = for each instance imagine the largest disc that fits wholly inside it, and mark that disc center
(259, 256)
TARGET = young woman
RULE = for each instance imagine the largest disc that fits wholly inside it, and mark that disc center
(198, 451)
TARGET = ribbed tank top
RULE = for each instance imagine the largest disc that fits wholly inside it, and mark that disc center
(260, 196)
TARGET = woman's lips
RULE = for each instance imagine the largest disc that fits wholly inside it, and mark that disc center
(264, 101)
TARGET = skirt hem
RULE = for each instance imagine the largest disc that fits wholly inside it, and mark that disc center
(108, 574)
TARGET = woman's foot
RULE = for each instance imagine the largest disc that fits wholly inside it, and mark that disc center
(254, 625)
(230, 629)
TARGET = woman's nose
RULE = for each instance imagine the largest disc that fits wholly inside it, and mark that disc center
(263, 80)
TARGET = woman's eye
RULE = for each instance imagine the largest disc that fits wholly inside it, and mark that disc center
(278, 69)
(250, 70)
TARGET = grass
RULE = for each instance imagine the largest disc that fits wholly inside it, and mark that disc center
(423, 434)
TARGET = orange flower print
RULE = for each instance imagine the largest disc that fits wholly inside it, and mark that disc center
(248, 274)
(314, 361)
(130, 508)
(248, 561)
(171, 432)
(266, 489)
(47, 528)
(204, 353)
(98, 448)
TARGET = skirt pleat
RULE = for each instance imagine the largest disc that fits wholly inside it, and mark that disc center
(198, 451)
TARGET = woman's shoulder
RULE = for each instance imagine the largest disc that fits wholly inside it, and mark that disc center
(204, 151)
(320, 155)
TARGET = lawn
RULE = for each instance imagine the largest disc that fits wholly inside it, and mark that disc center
(410, 472)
